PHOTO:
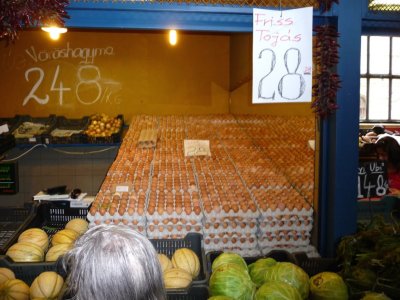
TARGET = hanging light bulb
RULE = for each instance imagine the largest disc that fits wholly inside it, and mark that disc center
(54, 31)
(173, 37)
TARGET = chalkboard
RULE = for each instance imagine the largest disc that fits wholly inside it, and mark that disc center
(372, 179)
(8, 178)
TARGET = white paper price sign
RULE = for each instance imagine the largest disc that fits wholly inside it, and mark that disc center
(282, 55)
(197, 147)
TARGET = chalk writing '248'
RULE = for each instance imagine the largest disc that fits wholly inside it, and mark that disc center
(83, 81)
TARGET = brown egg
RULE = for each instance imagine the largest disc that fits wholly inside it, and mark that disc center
(226, 208)
(116, 221)
(188, 210)
(121, 210)
(93, 210)
(112, 211)
(197, 210)
(151, 210)
(131, 211)
(102, 211)
(208, 208)
(160, 210)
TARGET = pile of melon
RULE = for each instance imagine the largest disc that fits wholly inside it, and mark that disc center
(181, 269)
(47, 285)
(34, 244)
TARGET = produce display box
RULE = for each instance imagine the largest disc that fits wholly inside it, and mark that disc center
(13, 220)
(315, 265)
(26, 271)
(193, 241)
(199, 292)
(51, 217)
(114, 138)
(49, 122)
(62, 123)
(384, 206)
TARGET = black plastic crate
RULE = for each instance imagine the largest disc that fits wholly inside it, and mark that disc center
(13, 220)
(193, 241)
(315, 265)
(199, 292)
(48, 123)
(26, 271)
(63, 123)
(114, 138)
(53, 216)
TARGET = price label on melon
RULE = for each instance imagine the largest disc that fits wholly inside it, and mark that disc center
(197, 147)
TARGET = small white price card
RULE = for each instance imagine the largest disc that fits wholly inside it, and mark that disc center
(197, 147)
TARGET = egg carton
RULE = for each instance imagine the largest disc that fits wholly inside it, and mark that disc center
(284, 241)
(164, 235)
(135, 217)
(177, 228)
(240, 243)
(174, 221)
(192, 217)
(232, 234)
(141, 228)
(293, 214)
(231, 226)
(284, 233)
(285, 225)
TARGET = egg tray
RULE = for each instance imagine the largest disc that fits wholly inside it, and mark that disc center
(193, 241)
(12, 221)
(63, 123)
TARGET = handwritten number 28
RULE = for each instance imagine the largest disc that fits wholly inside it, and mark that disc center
(291, 85)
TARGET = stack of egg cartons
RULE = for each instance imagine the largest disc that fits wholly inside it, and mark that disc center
(280, 194)
(174, 207)
(230, 222)
(122, 198)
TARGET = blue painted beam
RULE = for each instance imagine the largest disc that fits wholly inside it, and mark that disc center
(340, 137)
(157, 16)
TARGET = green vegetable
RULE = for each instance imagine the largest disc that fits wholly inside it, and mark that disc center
(328, 286)
(229, 257)
(220, 298)
(233, 281)
(258, 269)
(277, 290)
(375, 296)
(291, 274)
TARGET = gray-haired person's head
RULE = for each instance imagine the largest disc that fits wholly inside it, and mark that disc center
(112, 262)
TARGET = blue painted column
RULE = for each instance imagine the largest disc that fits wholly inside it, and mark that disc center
(339, 137)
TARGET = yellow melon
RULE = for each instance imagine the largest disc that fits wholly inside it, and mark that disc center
(35, 236)
(25, 252)
(186, 259)
(165, 262)
(14, 289)
(5, 274)
(46, 286)
(176, 278)
(64, 236)
(78, 225)
(56, 251)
